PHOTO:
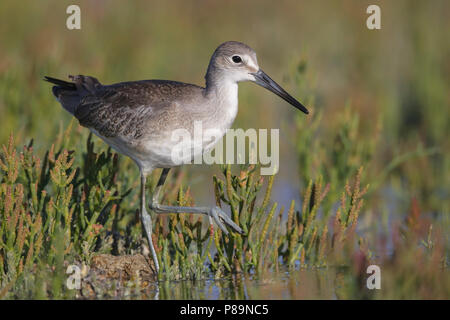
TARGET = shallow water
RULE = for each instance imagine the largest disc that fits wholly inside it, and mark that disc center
(300, 284)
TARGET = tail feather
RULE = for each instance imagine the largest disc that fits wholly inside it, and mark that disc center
(69, 94)
(66, 93)
(64, 84)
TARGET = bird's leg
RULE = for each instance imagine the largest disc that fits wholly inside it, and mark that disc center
(216, 213)
(147, 222)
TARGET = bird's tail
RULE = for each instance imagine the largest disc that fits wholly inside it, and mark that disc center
(66, 93)
(61, 83)
(70, 94)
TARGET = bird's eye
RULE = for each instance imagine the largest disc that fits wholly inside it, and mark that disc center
(236, 59)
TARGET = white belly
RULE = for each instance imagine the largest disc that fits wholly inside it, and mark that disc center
(179, 146)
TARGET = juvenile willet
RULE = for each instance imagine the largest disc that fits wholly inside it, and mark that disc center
(137, 118)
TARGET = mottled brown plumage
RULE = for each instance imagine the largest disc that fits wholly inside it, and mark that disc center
(121, 109)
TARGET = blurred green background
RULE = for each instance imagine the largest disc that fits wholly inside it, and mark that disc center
(321, 52)
(383, 95)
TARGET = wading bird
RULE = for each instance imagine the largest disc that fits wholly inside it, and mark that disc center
(137, 118)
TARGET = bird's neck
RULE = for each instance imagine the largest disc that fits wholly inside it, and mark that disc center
(220, 87)
(223, 94)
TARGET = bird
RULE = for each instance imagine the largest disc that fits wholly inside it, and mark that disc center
(136, 119)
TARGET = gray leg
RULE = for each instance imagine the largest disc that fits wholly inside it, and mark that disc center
(219, 216)
(147, 222)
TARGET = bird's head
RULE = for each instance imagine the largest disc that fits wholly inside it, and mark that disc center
(236, 62)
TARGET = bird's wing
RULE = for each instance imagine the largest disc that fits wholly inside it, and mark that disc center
(125, 109)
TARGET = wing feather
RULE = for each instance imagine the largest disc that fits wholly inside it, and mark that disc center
(126, 109)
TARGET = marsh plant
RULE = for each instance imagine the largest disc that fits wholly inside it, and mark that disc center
(372, 156)
(79, 200)
(56, 211)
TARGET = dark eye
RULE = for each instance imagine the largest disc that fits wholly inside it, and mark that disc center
(236, 59)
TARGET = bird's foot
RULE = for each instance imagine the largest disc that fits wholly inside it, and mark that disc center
(220, 217)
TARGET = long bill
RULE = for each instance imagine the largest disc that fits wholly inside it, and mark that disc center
(265, 81)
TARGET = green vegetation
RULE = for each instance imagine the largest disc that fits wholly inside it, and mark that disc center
(55, 211)
(373, 157)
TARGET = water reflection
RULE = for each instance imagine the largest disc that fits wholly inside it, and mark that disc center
(300, 284)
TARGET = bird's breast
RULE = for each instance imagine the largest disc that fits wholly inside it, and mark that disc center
(225, 106)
